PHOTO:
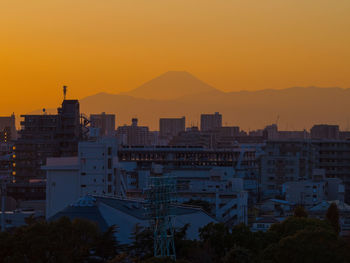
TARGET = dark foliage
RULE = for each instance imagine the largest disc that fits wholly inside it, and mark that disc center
(60, 241)
(300, 211)
(296, 239)
(333, 217)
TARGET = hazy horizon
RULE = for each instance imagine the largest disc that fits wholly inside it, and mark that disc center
(57, 96)
(191, 97)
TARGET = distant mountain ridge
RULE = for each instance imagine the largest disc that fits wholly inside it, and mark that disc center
(297, 107)
(171, 85)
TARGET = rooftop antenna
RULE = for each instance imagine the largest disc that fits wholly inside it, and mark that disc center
(278, 117)
(64, 92)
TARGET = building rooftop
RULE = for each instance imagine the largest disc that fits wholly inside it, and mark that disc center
(323, 206)
(126, 213)
(266, 220)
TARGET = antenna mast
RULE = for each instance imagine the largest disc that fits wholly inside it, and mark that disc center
(64, 92)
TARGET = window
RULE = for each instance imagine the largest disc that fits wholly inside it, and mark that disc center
(109, 163)
(109, 177)
(109, 150)
(109, 188)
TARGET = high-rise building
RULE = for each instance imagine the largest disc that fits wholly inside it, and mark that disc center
(6, 153)
(105, 123)
(43, 136)
(170, 127)
(211, 121)
(8, 128)
(68, 128)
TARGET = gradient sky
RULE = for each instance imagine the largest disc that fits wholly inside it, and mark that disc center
(116, 45)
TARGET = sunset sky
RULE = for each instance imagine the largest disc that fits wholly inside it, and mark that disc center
(116, 45)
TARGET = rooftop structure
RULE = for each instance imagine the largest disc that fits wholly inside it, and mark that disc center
(126, 213)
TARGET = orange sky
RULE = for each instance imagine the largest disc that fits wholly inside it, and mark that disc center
(116, 45)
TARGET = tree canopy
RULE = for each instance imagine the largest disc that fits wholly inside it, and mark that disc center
(296, 239)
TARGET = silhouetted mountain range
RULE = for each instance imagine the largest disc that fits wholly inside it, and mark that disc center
(171, 85)
(176, 94)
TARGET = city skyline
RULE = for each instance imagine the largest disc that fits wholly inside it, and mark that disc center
(295, 108)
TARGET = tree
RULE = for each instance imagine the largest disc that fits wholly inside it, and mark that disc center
(300, 211)
(106, 245)
(158, 260)
(308, 246)
(163, 260)
(121, 258)
(142, 242)
(238, 255)
(308, 240)
(216, 239)
(292, 225)
(332, 216)
(241, 236)
(59, 241)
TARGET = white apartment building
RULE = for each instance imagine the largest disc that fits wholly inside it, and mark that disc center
(92, 172)
(216, 185)
(312, 192)
(98, 163)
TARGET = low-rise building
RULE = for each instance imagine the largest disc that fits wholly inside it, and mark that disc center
(308, 193)
(286, 161)
(92, 172)
(320, 211)
(126, 214)
(263, 224)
